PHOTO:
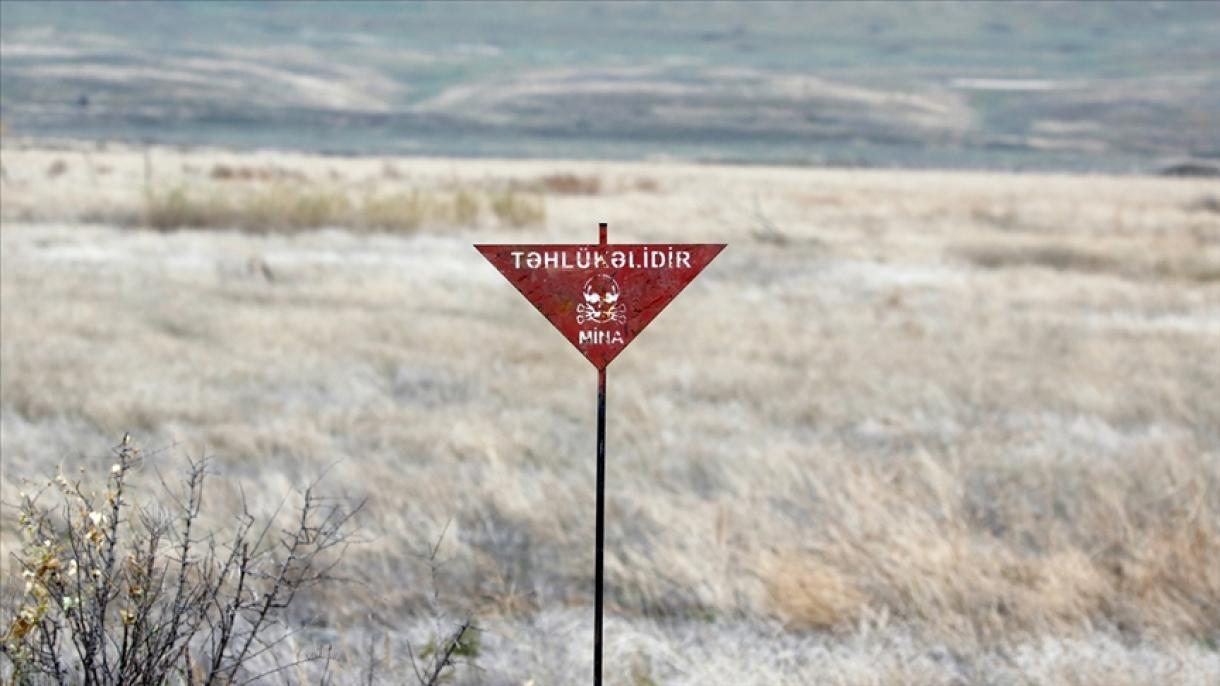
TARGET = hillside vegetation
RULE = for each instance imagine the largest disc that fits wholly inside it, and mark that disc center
(909, 428)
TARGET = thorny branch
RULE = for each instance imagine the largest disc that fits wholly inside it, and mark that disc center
(117, 593)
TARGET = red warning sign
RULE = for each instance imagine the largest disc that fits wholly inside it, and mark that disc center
(601, 296)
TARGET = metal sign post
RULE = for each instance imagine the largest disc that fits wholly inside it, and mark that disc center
(600, 297)
(599, 542)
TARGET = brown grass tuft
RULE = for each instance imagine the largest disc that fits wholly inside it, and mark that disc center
(175, 209)
(1205, 203)
(1057, 257)
(282, 207)
(390, 171)
(405, 211)
(224, 172)
(466, 208)
(646, 184)
(571, 184)
(276, 208)
(516, 209)
(1194, 267)
(807, 593)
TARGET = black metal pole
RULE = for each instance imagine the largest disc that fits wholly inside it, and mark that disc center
(601, 504)
(601, 525)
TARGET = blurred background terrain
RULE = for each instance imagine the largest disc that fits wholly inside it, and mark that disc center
(1101, 86)
(944, 412)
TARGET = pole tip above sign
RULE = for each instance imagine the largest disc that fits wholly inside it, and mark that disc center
(600, 296)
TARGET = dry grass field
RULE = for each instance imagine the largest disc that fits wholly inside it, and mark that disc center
(909, 428)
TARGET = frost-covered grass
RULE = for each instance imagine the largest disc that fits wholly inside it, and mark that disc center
(860, 449)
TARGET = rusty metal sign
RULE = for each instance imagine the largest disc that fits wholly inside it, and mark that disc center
(600, 297)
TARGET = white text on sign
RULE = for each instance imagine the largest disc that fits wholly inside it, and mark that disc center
(584, 258)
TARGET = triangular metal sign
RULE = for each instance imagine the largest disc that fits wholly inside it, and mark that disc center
(600, 296)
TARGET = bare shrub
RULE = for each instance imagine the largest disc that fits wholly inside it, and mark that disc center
(440, 659)
(121, 593)
(451, 645)
(449, 648)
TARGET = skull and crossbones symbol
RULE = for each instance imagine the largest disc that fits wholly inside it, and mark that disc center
(601, 303)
